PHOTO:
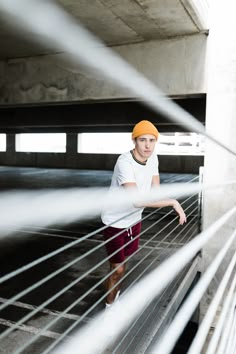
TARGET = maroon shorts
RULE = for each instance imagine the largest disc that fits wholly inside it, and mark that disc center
(121, 241)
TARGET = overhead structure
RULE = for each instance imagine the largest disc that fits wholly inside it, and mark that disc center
(116, 23)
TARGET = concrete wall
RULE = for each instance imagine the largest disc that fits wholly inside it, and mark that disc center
(220, 167)
(177, 66)
(170, 164)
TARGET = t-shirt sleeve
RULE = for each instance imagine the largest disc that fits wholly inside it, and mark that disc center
(124, 172)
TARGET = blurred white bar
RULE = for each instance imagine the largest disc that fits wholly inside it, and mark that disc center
(229, 301)
(144, 292)
(204, 327)
(170, 337)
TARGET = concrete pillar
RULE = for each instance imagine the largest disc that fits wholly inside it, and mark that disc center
(11, 143)
(220, 165)
(71, 143)
(71, 150)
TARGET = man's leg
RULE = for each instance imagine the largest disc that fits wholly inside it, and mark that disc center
(115, 251)
(112, 281)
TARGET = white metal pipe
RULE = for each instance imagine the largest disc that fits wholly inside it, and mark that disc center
(231, 337)
(204, 327)
(167, 342)
(143, 292)
(226, 332)
(219, 328)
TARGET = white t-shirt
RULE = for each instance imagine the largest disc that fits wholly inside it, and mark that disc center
(128, 169)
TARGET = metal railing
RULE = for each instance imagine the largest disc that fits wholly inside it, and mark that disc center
(158, 246)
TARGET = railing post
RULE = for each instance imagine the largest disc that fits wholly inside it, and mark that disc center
(200, 200)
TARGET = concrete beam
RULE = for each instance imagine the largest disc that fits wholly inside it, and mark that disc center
(177, 66)
(107, 116)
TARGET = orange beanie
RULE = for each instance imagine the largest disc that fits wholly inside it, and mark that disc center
(144, 127)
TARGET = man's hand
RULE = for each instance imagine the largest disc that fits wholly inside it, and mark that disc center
(179, 210)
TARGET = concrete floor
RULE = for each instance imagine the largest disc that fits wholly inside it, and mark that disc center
(29, 244)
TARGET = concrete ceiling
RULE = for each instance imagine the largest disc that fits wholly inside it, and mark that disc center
(116, 22)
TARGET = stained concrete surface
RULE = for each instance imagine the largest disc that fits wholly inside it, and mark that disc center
(30, 243)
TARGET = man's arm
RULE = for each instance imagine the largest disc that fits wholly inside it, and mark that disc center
(159, 204)
(155, 180)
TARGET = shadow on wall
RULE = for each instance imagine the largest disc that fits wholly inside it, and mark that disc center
(180, 163)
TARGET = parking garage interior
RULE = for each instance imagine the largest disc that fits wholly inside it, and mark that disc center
(76, 67)
(30, 171)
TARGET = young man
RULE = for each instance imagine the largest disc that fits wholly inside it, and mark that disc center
(136, 169)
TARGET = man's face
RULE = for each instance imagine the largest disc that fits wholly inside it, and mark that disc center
(145, 145)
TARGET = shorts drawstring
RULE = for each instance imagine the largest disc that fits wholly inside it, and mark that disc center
(130, 233)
